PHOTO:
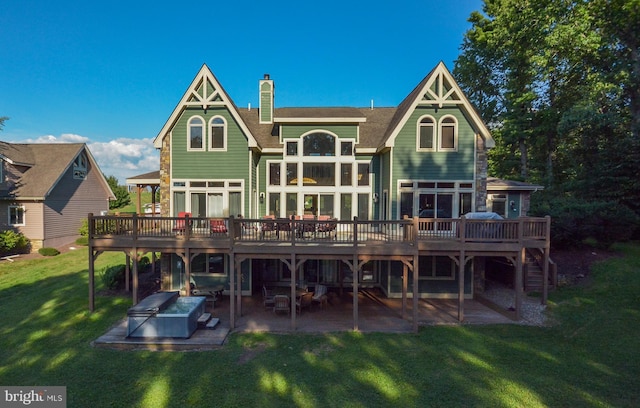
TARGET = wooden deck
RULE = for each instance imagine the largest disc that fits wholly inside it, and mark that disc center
(312, 236)
(293, 241)
(377, 314)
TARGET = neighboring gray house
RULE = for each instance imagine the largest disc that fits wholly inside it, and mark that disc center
(47, 190)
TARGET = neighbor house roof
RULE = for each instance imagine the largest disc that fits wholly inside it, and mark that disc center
(46, 164)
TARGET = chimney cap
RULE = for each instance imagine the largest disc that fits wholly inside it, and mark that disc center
(267, 76)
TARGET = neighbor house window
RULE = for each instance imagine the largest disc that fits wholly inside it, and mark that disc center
(195, 133)
(16, 215)
(448, 133)
(218, 134)
(426, 133)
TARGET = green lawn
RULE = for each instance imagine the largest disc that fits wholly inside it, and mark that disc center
(589, 358)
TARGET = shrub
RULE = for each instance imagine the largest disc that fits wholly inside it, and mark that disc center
(113, 277)
(11, 241)
(84, 228)
(46, 251)
(143, 263)
(83, 241)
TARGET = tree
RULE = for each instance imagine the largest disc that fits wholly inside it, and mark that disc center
(121, 193)
(2, 120)
(558, 83)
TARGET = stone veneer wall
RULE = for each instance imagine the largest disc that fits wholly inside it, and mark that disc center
(165, 201)
(481, 175)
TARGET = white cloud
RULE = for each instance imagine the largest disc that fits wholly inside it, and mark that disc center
(122, 158)
(125, 157)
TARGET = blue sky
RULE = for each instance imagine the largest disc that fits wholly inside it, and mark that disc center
(109, 73)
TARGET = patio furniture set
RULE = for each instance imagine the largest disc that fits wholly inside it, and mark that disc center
(280, 301)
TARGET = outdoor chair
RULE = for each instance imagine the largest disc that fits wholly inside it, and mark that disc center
(268, 297)
(268, 225)
(213, 294)
(327, 225)
(218, 227)
(281, 304)
(181, 224)
(304, 301)
(320, 296)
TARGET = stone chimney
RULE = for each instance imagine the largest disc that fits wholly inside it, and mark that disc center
(267, 92)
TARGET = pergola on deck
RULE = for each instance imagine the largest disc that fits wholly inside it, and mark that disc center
(295, 241)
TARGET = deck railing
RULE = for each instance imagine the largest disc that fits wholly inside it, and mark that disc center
(312, 230)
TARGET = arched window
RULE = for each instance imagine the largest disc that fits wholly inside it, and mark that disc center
(448, 134)
(426, 134)
(195, 132)
(218, 139)
(319, 144)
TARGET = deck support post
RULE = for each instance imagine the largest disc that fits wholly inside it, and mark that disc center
(405, 278)
(135, 276)
(415, 292)
(461, 267)
(92, 289)
(545, 267)
(232, 293)
(356, 273)
(520, 260)
(238, 271)
(127, 272)
(294, 278)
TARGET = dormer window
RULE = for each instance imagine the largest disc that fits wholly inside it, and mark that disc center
(195, 132)
(443, 138)
(426, 134)
(448, 134)
(218, 140)
(80, 167)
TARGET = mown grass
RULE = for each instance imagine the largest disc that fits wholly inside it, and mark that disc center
(589, 358)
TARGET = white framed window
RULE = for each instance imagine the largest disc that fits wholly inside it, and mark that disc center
(195, 134)
(80, 167)
(218, 133)
(426, 141)
(17, 215)
(448, 131)
(208, 198)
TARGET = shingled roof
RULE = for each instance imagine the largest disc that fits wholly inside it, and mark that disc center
(377, 126)
(45, 164)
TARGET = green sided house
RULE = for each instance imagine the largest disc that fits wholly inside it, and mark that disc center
(341, 197)
(47, 190)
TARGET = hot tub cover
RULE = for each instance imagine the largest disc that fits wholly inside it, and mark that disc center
(483, 216)
(153, 304)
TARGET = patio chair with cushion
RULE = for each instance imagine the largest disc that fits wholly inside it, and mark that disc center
(181, 224)
(268, 297)
(281, 304)
(304, 301)
(218, 227)
(320, 296)
(327, 225)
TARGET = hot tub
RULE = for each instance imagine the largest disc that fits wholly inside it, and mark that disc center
(165, 314)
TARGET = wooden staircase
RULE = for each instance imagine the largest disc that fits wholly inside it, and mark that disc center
(534, 273)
